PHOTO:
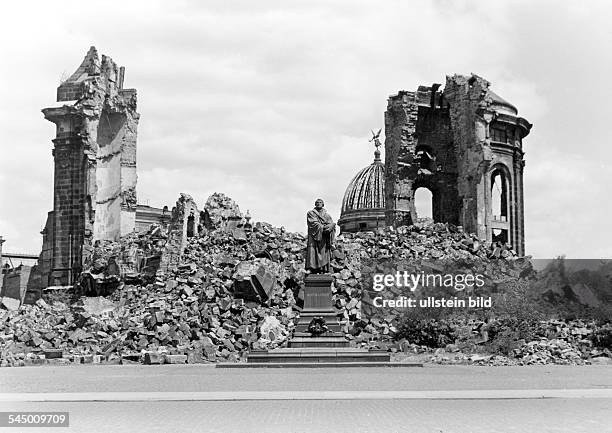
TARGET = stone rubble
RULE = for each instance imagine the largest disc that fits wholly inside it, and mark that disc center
(560, 342)
(237, 287)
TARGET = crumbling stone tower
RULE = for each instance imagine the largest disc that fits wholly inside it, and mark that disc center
(463, 144)
(95, 166)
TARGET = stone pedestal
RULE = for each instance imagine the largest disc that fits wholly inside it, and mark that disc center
(318, 304)
(328, 347)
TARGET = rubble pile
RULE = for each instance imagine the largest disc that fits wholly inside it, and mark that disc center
(135, 257)
(237, 286)
(184, 313)
(562, 342)
(218, 209)
(557, 342)
(422, 246)
(425, 239)
(189, 310)
(446, 357)
(544, 351)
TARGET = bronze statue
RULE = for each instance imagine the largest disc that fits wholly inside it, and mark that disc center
(321, 232)
(375, 138)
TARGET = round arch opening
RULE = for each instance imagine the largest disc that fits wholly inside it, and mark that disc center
(423, 203)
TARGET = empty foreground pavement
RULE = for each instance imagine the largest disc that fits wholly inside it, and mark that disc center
(203, 398)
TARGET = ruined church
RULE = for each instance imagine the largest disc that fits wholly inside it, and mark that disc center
(94, 154)
(462, 143)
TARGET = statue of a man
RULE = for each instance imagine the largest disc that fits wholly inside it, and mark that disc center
(321, 232)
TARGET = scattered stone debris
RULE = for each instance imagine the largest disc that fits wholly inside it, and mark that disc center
(560, 342)
(238, 286)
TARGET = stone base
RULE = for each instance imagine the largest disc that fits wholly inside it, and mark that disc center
(317, 354)
(318, 303)
(329, 347)
(277, 364)
(326, 341)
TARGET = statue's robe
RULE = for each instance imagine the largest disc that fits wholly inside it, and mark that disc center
(321, 231)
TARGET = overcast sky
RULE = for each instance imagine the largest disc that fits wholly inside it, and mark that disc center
(271, 102)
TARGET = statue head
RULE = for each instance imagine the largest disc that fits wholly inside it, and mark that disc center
(319, 204)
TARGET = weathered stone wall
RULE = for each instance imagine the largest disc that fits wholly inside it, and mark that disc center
(147, 215)
(20, 285)
(470, 114)
(70, 171)
(435, 165)
(95, 164)
(400, 144)
(442, 141)
(184, 224)
(1, 274)
(45, 259)
(420, 152)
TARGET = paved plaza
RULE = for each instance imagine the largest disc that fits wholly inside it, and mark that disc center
(205, 399)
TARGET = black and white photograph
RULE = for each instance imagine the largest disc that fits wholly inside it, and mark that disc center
(306, 216)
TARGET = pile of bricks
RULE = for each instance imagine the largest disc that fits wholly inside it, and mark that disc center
(232, 277)
(560, 342)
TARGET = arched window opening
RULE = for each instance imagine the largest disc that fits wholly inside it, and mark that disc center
(190, 226)
(423, 203)
(500, 236)
(499, 196)
(426, 160)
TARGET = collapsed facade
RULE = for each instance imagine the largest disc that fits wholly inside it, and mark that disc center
(465, 145)
(462, 143)
(94, 153)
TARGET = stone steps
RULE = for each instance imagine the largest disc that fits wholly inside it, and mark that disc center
(317, 355)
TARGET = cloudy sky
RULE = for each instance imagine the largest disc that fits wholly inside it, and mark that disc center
(271, 102)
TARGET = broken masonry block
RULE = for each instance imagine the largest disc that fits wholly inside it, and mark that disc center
(245, 289)
(153, 358)
(130, 358)
(239, 234)
(258, 287)
(175, 359)
(53, 353)
(264, 282)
